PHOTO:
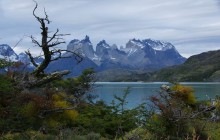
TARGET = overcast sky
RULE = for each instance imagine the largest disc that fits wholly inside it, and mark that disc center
(193, 26)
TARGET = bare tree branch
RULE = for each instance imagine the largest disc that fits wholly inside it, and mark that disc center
(18, 42)
(35, 82)
(54, 35)
(31, 58)
(35, 41)
(56, 43)
(78, 57)
(56, 110)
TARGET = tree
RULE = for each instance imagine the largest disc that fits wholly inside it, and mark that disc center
(46, 106)
(48, 45)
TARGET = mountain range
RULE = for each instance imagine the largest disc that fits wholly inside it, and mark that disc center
(136, 55)
(146, 55)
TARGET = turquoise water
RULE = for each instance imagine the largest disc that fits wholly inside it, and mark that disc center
(140, 91)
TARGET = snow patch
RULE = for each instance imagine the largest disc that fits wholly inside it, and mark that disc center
(137, 43)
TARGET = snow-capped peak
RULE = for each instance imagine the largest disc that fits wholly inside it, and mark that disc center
(134, 40)
(158, 45)
(103, 44)
(7, 52)
(135, 43)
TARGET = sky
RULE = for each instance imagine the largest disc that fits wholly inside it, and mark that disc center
(192, 26)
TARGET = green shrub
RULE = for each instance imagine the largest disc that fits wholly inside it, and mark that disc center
(139, 134)
(6, 84)
(65, 134)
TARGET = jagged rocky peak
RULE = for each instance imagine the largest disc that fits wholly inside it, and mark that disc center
(102, 48)
(158, 45)
(72, 44)
(114, 46)
(7, 52)
(121, 47)
(86, 40)
(75, 43)
(83, 47)
(87, 47)
(103, 44)
(134, 40)
(134, 43)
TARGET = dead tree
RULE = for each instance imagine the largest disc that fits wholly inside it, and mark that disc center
(48, 45)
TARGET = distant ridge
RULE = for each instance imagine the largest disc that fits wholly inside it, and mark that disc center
(197, 68)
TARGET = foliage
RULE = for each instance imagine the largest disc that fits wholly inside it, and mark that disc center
(4, 63)
(6, 84)
(9, 66)
(47, 108)
(52, 113)
(139, 134)
(66, 134)
(79, 86)
(177, 114)
(217, 104)
(111, 121)
(35, 111)
(184, 93)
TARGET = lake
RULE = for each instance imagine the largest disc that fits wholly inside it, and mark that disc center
(141, 91)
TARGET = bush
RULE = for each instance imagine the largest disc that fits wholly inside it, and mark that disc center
(6, 85)
(177, 114)
(139, 134)
(111, 121)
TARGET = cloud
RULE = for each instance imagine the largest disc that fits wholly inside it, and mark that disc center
(180, 22)
(192, 46)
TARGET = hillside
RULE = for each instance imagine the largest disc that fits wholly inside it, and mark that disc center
(201, 67)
